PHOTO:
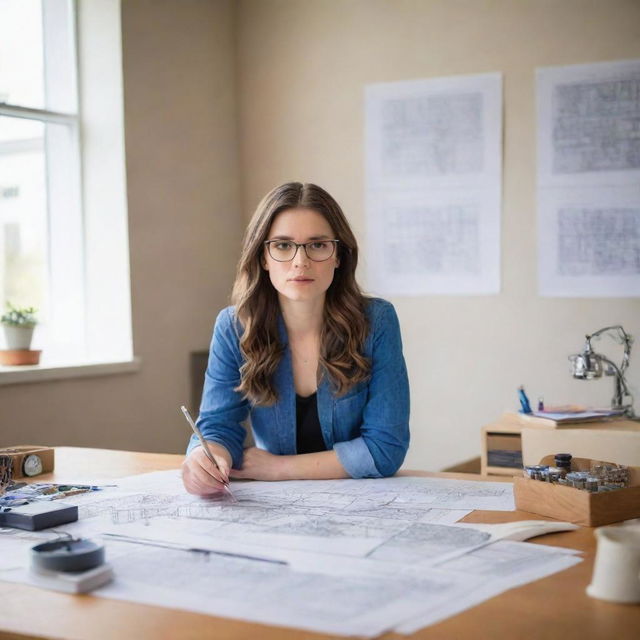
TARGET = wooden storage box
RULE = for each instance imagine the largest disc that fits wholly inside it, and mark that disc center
(21, 452)
(576, 505)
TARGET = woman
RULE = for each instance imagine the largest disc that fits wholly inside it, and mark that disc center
(315, 365)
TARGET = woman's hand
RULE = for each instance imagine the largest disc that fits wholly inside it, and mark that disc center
(259, 464)
(200, 476)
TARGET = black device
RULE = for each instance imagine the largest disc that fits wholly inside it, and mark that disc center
(37, 515)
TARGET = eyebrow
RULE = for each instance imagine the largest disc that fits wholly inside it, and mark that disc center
(310, 239)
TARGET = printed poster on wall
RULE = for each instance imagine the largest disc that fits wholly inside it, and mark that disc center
(433, 185)
(589, 180)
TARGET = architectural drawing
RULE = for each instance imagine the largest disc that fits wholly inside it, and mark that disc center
(356, 604)
(432, 135)
(596, 126)
(348, 517)
(598, 242)
(405, 498)
(589, 180)
(502, 565)
(433, 174)
(349, 557)
(433, 240)
(426, 541)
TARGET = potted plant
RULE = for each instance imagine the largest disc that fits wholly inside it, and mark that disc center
(18, 324)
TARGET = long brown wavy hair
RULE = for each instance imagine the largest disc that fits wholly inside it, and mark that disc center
(345, 325)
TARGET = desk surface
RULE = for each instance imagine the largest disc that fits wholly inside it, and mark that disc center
(554, 607)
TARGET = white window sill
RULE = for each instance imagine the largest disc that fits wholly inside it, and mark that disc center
(40, 373)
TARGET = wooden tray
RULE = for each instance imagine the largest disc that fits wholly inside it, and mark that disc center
(576, 505)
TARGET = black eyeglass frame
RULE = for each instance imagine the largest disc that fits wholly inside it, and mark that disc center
(304, 245)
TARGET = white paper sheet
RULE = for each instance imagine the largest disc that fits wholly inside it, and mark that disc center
(401, 496)
(412, 544)
(356, 597)
(350, 557)
(589, 180)
(343, 517)
(356, 603)
(504, 565)
(433, 165)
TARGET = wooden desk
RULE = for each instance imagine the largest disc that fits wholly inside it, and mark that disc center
(554, 607)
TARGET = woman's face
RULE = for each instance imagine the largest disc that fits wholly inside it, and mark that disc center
(301, 279)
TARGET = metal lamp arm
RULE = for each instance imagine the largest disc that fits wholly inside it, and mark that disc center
(590, 364)
(622, 390)
(624, 338)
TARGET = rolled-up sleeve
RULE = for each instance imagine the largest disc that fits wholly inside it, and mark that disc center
(384, 435)
(223, 409)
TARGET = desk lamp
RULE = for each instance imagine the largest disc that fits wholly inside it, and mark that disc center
(588, 365)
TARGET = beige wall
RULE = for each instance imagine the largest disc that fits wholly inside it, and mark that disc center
(299, 69)
(184, 230)
(302, 71)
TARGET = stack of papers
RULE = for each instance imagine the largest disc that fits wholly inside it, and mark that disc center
(349, 557)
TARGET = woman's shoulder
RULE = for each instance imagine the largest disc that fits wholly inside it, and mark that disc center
(381, 316)
(378, 308)
(227, 321)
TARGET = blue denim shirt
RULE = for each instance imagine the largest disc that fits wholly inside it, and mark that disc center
(368, 427)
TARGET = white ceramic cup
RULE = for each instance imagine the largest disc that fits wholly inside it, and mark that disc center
(616, 572)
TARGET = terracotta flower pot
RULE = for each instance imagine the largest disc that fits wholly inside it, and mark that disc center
(16, 357)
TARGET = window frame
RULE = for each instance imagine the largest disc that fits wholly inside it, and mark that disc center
(94, 288)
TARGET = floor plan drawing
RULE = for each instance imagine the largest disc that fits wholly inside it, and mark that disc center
(345, 557)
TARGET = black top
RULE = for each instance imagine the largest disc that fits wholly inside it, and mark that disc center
(308, 431)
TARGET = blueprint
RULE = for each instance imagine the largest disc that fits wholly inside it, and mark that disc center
(433, 173)
(360, 602)
(359, 597)
(589, 180)
(350, 557)
(502, 565)
(268, 504)
(344, 517)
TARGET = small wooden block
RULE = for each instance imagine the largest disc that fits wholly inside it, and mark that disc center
(20, 452)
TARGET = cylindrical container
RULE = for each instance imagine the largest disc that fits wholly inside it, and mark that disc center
(616, 571)
(554, 474)
(577, 479)
(563, 462)
(535, 471)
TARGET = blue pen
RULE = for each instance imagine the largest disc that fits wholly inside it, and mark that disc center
(524, 401)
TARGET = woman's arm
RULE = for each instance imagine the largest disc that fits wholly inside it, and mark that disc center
(259, 464)
(223, 410)
(221, 413)
(384, 431)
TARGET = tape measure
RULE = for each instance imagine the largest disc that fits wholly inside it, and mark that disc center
(71, 565)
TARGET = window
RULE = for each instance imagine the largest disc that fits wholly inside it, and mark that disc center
(63, 218)
(40, 214)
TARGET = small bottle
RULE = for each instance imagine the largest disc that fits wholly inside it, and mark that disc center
(563, 462)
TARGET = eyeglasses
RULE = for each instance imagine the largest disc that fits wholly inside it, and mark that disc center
(286, 250)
